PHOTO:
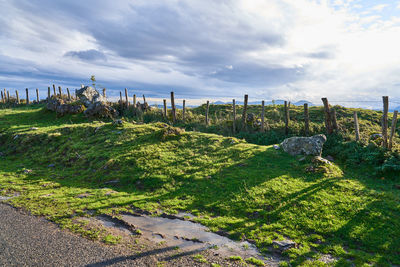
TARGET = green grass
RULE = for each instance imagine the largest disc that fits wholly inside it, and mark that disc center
(250, 191)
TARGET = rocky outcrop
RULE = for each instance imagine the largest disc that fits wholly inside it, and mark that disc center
(100, 110)
(304, 145)
(63, 107)
(96, 104)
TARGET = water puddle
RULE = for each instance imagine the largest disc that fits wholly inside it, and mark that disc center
(188, 235)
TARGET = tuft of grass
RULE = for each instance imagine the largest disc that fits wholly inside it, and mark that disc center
(200, 258)
(111, 239)
(235, 258)
(254, 261)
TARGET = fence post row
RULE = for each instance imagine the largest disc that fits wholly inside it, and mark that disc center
(173, 107)
(393, 129)
(385, 121)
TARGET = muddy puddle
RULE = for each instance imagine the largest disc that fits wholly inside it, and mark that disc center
(188, 235)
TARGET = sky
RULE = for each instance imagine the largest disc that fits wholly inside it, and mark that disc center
(346, 50)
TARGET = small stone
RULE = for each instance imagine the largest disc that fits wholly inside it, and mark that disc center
(27, 171)
(16, 136)
(112, 181)
(302, 159)
(321, 160)
(330, 158)
(277, 147)
(34, 128)
(51, 165)
(118, 122)
(284, 244)
(84, 195)
(375, 136)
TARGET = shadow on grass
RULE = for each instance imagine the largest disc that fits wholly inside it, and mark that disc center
(240, 196)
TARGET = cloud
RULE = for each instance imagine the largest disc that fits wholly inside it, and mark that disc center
(88, 55)
(266, 48)
(379, 7)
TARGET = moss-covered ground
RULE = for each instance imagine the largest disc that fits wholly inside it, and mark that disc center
(64, 167)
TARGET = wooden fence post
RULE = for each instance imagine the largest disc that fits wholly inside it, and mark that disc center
(207, 109)
(48, 93)
(234, 116)
(385, 121)
(5, 95)
(287, 118)
(120, 100)
(54, 90)
(126, 98)
(8, 96)
(76, 94)
(2, 98)
(334, 121)
(306, 120)
(183, 109)
(144, 99)
(244, 115)
(173, 107)
(17, 95)
(328, 121)
(134, 101)
(262, 115)
(60, 91)
(27, 96)
(393, 129)
(104, 92)
(37, 95)
(69, 94)
(356, 126)
(165, 108)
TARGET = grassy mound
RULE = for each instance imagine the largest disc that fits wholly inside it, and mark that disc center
(63, 167)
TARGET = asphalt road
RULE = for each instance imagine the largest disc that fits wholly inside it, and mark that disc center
(27, 240)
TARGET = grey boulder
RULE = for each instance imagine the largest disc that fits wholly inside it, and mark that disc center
(304, 145)
(88, 95)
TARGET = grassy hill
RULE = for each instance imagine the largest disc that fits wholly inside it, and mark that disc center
(250, 191)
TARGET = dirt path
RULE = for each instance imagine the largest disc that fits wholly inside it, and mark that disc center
(26, 240)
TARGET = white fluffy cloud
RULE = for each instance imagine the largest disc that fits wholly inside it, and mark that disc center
(267, 48)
